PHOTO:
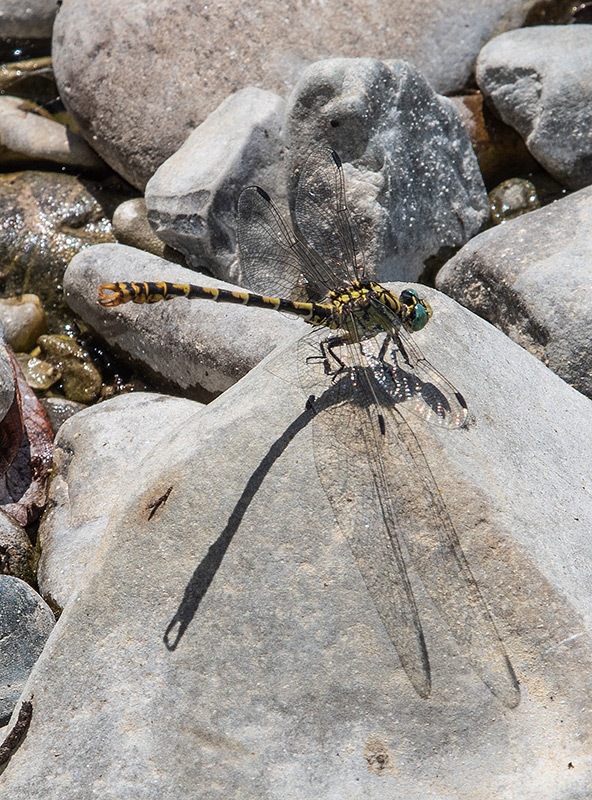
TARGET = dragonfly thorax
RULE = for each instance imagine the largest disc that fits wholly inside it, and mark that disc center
(365, 308)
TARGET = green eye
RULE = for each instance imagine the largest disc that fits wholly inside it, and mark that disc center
(418, 311)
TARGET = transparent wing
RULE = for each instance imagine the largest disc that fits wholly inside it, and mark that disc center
(271, 255)
(386, 500)
(323, 219)
(404, 374)
(350, 470)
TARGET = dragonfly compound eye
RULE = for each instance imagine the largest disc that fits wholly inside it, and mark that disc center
(419, 311)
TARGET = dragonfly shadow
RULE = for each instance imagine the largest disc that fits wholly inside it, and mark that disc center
(205, 572)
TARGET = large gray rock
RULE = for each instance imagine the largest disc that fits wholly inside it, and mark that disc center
(539, 80)
(25, 623)
(412, 178)
(192, 197)
(531, 278)
(193, 343)
(94, 453)
(234, 626)
(140, 77)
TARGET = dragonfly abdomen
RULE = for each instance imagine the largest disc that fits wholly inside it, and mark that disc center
(115, 294)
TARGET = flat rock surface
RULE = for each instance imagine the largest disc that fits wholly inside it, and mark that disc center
(192, 343)
(225, 645)
(539, 80)
(115, 64)
(94, 453)
(531, 277)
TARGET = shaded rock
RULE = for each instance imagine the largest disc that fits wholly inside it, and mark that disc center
(32, 20)
(245, 634)
(32, 78)
(25, 623)
(501, 152)
(26, 134)
(115, 86)
(192, 197)
(131, 227)
(412, 182)
(6, 381)
(23, 320)
(95, 453)
(45, 219)
(531, 278)
(189, 342)
(17, 555)
(539, 80)
(59, 409)
(512, 198)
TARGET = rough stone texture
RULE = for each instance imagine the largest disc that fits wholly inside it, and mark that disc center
(192, 343)
(115, 64)
(25, 135)
(531, 277)
(539, 81)
(94, 453)
(191, 199)
(282, 682)
(413, 181)
(131, 227)
(25, 623)
(30, 20)
(17, 555)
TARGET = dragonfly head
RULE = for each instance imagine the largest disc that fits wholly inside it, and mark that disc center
(417, 312)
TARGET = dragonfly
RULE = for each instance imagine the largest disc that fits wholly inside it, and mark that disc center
(368, 384)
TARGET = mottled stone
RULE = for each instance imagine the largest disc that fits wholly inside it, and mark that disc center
(531, 278)
(45, 219)
(412, 179)
(115, 64)
(223, 614)
(539, 80)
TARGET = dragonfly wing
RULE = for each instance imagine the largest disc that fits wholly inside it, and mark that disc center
(409, 380)
(324, 220)
(386, 499)
(435, 551)
(350, 470)
(271, 256)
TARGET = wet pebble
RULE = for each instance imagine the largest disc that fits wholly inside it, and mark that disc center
(45, 219)
(512, 198)
(81, 380)
(23, 320)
